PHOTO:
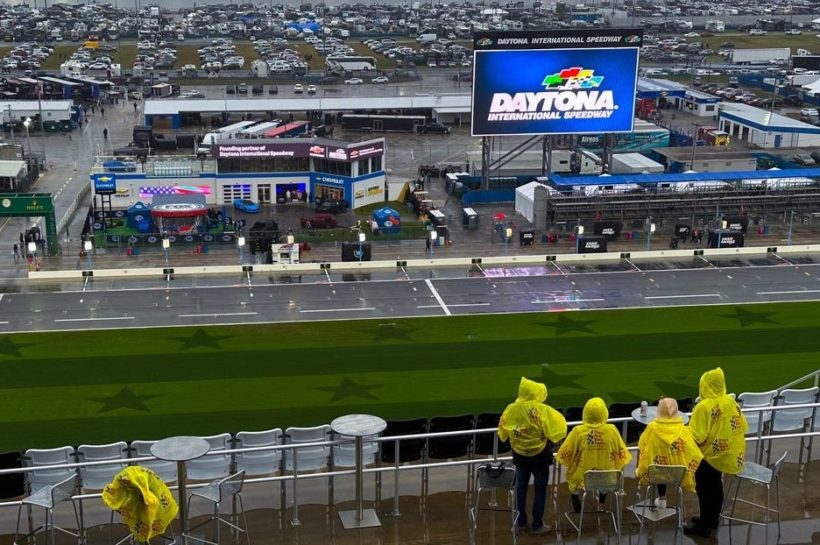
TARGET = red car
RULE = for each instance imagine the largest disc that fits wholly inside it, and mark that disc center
(318, 221)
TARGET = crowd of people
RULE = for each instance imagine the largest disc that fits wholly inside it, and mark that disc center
(711, 444)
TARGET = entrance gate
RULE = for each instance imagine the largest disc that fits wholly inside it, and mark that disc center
(17, 205)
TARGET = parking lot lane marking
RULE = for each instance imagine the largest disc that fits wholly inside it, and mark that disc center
(216, 314)
(787, 292)
(470, 305)
(94, 319)
(438, 297)
(682, 296)
(339, 309)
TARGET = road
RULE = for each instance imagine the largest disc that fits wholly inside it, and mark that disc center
(399, 294)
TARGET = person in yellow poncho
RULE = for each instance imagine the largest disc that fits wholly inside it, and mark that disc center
(719, 427)
(594, 444)
(143, 500)
(531, 426)
(666, 441)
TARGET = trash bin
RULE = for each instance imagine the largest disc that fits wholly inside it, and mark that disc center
(526, 237)
(128, 251)
(136, 251)
(469, 219)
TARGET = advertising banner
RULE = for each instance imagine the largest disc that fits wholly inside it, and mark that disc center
(725, 239)
(105, 184)
(555, 82)
(738, 224)
(590, 244)
(609, 229)
(367, 150)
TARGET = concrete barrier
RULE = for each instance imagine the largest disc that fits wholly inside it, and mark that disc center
(444, 262)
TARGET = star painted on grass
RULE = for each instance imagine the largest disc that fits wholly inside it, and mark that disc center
(677, 389)
(201, 339)
(553, 379)
(124, 399)
(565, 324)
(388, 331)
(350, 388)
(748, 317)
(9, 348)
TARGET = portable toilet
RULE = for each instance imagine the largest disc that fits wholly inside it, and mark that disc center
(469, 219)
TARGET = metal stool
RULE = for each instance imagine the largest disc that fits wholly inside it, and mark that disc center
(671, 477)
(48, 497)
(493, 476)
(215, 492)
(598, 482)
(759, 475)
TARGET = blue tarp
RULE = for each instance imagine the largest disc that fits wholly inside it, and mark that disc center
(301, 27)
(481, 196)
(559, 181)
(388, 220)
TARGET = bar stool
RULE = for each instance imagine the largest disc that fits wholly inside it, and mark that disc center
(215, 492)
(493, 477)
(671, 477)
(762, 476)
(48, 497)
(597, 482)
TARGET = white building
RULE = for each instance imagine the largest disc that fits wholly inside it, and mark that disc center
(766, 129)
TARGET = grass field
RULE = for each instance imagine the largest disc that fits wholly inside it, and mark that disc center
(60, 54)
(187, 54)
(75, 387)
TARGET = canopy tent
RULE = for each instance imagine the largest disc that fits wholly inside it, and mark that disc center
(812, 88)
(525, 199)
(138, 217)
(387, 220)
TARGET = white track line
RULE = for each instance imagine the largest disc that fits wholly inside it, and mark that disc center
(438, 297)
(339, 309)
(215, 314)
(94, 319)
(470, 305)
(789, 292)
(553, 301)
(682, 296)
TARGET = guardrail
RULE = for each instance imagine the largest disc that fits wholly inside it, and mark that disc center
(358, 266)
(396, 468)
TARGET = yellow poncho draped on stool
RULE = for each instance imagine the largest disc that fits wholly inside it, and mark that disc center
(594, 444)
(143, 500)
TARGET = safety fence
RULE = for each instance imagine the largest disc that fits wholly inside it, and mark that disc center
(423, 463)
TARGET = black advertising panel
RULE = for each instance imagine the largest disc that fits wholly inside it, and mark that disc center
(591, 244)
(610, 229)
(738, 224)
(725, 239)
(682, 231)
(353, 251)
(807, 62)
(366, 150)
(260, 150)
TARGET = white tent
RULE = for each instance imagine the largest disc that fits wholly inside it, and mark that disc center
(525, 199)
(812, 88)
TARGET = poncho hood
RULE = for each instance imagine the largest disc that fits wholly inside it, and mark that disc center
(712, 384)
(595, 412)
(529, 390)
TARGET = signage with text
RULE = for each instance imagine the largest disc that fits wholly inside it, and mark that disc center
(555, 82)
(105, 184)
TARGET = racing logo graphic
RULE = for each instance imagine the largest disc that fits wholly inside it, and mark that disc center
(571, 79)
(632, 39)
(484, 42)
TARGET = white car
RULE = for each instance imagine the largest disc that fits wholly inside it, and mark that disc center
(298, 88)
(691, 35)
(757, 32)
(380, 79)
(311, 89)
(793, 32)
(354, 81)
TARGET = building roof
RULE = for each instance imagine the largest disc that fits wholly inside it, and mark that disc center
(33, 105)
(700, 96)
(175, 107)
(704, 153)
(655, 88)
(10, 169)
(764, 120)
(658, 178)
(60, 81)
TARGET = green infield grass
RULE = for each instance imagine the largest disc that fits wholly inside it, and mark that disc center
(100, 386)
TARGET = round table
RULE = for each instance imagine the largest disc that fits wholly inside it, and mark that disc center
(359, 426)
(652, 414)
(180, 449)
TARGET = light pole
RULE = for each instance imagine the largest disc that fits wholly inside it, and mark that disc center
(649, 237)
(27, 124)
(694, 145)
(723, 225)
(32, 250)
(166, 245)
(240, 242)
(507, 237)
(433, 238)
(361, 242)
(791, 221)
(88, 246)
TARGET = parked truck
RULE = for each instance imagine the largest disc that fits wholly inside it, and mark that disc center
(427, 37)
(713, 137)
(760, 56)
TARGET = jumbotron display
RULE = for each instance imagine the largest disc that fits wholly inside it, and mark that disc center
(555, 82)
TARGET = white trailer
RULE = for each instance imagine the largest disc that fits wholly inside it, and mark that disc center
(634, 163)
(760, 56)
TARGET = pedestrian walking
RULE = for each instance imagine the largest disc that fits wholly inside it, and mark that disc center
(16, 253)
(428, 244)
(102, 111)
(105, 133)
(135, 106)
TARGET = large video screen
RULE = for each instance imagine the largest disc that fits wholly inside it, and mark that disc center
(557, 82)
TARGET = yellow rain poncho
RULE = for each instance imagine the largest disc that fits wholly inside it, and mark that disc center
(594, 444)
(666, 441)
(143, 500)
(718, 426)
(528, 423)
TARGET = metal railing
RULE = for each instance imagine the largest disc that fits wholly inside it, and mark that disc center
(396, 468)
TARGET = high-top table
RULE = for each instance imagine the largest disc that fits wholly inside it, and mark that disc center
(652, 414)
(181, 449)
(359, 426)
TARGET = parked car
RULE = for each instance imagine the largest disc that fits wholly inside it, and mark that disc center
(242, 89)
(380, 79)
(436, 128)
(803, 159)
(756, 32)
(120, 166)
(273, 90)
(332, 207)
(318, 221)
(809, 112)
(311, 89)
(354, 81)
(247, 206)
(793, 32)
(298, 88)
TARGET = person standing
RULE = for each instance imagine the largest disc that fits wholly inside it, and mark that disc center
(531, 426)
(16, 253)
(594, 444)
(719, 428)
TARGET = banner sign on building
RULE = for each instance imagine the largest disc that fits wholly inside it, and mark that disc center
(303, 148)
(555, 82)
(105, 184)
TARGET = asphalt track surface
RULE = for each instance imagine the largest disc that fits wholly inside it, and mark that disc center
(198, 301)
